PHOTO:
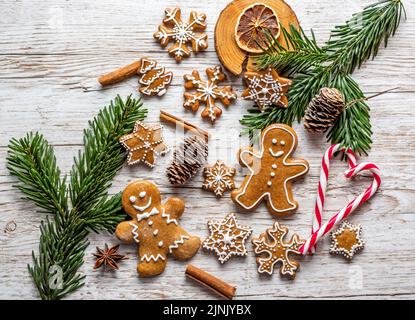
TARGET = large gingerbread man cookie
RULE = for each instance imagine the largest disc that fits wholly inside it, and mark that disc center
(154, 227)
(271, 172)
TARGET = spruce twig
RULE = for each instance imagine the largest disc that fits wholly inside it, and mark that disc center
(63, 241)
(315, 67)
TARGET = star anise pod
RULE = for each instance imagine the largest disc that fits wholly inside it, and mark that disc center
(108, 257)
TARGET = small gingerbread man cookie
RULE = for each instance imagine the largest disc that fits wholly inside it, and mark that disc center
(154, 227)
(272, 171)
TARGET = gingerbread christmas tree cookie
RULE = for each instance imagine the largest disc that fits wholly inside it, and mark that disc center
(154, 80)
(347, 240)
(144, 144)
(272, 169)
(266, 89)
(275, 248)
(155, 228)
(219, 178)
(182, 33)
(207, 92)
(227, 238)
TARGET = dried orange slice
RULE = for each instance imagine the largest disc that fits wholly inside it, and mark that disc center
(252, 25)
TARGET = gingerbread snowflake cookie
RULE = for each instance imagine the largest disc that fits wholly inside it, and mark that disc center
(182, 33)
(347, 240)
(219, 178)
(155, 228)
(144, 144)
(274, 248)
(271, 172)
(207, 92)
(227, 238)
(266, 88)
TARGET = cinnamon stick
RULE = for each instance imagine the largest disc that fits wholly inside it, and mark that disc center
(215, 284)
(167, 117)
(120, 74)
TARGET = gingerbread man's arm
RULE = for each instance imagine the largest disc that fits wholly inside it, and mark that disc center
(298, 167)
(248, 157)
(125, 232)
(174, 207)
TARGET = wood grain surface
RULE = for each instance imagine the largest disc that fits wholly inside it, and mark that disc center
(51, 53)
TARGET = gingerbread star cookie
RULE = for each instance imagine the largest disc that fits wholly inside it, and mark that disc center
(272, 244)
(144, 144)
(271, 172)
(347, 240)
(266, 88)
(219, 178)
(227, 238)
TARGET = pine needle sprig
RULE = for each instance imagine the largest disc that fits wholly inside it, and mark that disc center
(359, 39)
(63, 241)
(302, 54)
(31, 159)
(314, 67)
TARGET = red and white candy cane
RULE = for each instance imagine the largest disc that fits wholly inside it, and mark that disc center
(318, 230)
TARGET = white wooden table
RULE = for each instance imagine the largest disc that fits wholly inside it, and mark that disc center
(51, 53)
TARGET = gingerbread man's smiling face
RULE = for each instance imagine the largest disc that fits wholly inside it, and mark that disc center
(139, 197)
(278, 143)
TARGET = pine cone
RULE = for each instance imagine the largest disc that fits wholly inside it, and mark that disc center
(187, 160)
(323, 110)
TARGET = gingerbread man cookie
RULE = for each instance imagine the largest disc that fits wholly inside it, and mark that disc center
(155, 228)
(272, 171)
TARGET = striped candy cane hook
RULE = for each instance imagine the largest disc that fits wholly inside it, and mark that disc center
(318, 230)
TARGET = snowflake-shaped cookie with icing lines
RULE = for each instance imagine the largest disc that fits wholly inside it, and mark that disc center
(155, 228)
(219, 178)
(144, 144)
(181, 33)
(271, 172)
(207, 92)
(347, 240)
(266, 88)
(227, 238)
(276, 249)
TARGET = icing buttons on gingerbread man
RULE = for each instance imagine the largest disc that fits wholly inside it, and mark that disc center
(155, 228)
(271, 172)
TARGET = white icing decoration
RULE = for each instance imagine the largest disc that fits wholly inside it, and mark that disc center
(142, 194)
(272, 174)
(146, 215)
(133, 199)
(252, 173)
(276, 154)
(142, 208)
(156, 232)
(269, 183)
(282, 143)
(169, 220)
(151, 257)
(160, 244)
(150, 223)
(176, 243)
(274, 141)
(134, 231)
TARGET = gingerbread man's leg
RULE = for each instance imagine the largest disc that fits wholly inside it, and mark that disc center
(185, 247)
(281, 201)
(151, 263)
(248, 195)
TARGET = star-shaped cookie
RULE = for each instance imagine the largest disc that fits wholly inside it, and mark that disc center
(227, 238)
(219, 178)
(347, 240)
(266, 88)
(144, 144)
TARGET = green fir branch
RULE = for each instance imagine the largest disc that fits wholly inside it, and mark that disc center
(315, 67)
(64, 240)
